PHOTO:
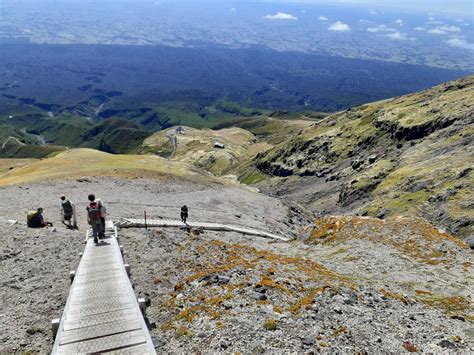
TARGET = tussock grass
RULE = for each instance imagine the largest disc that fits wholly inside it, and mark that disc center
(77, 163)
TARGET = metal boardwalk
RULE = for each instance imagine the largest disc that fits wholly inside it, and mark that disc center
(163, 223)
(102, 314)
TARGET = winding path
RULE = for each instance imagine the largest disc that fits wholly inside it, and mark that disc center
(12, 138)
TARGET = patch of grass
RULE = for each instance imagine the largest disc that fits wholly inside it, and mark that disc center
(253, 178)
(395, 296)
(449, 304)
(270, 324)
(183, 332)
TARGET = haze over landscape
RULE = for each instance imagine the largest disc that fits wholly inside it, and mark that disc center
(323, 148)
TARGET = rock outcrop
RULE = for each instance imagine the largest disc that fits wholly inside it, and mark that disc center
(410, 155)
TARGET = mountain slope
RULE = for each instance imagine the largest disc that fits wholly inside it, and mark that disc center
(404, 156)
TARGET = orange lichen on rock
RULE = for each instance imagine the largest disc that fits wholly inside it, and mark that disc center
(414, 237)
(341, 330)
(268, 282)
(423, 292)
(396, 296)
(308, 299)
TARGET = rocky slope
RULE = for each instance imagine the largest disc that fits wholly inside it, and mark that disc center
(345, 284)
(410, 155)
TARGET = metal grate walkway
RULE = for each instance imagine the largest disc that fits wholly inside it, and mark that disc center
(102, 314)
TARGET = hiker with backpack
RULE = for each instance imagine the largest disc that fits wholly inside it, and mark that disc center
(35, 219)
(94, 218)
(68, 213)
(184, 214)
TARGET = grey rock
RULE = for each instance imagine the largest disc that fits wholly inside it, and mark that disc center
(355, 164)
(372, 158)
(447, 344)
(382, 214)
(443, 248)
(225, 344)
(470, 241)
(309, 340)
(376, 298)
(260, 289)
(210, 279)
(223, 279)
(259, 296)
(338, 299)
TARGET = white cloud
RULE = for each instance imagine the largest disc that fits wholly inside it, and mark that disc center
(436, 31)
(460, 43)
(399, 22)
(435, 22)
(365, 21)
(280, 16)
(372, 12)
(459, 20)
(233, 9)
(381, 28)
(339, 27)
(450, 28)
(443, 30)
(323, 18)
(431, 18)
(419, 28)
(397, 36)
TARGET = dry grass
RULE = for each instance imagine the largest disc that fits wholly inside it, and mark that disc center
(77, 163)
(196, 146)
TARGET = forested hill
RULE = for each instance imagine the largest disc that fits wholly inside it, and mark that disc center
(91, 79)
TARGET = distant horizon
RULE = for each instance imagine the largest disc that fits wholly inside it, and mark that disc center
(461, 8)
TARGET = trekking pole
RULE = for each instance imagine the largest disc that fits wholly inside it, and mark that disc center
(144, 212)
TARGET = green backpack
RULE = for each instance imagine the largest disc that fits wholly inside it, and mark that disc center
(67, 206)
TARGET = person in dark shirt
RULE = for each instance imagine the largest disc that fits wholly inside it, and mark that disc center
(36, 220)
(184, 213)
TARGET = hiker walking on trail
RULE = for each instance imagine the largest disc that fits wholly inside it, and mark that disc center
(184, 214)
(35, 219)
(94, 218)
(68, 212)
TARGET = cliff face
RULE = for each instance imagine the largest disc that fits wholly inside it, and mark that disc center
(410, 155)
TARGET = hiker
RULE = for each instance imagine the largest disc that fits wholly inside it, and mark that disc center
(94, 218)
(184, 214)
(35, 219)
(68, 213)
